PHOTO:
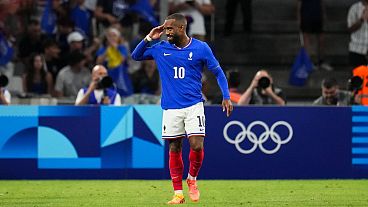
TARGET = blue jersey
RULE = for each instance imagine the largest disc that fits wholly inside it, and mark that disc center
(181, 71)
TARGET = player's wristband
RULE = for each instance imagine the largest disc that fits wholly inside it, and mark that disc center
(148, 38)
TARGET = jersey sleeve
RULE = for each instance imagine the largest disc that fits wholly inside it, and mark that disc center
(142, 52)
(214, 66)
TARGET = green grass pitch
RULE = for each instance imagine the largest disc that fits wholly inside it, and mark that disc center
(152, 193)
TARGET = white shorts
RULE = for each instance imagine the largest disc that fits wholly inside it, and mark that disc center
(184, 122)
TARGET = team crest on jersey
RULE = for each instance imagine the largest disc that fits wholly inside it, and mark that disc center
(190, 56)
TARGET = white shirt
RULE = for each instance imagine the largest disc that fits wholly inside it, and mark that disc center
(69, 81)
(7, 95)
(359, 38)
(98, 94)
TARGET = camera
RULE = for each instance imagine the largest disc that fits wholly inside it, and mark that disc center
(105, 82)
(264, 82)
(355, 83)
(3, 80)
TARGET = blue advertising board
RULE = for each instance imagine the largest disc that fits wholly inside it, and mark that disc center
(69, 142)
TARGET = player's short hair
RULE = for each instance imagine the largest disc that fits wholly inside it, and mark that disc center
(329, 83)
(178, 17)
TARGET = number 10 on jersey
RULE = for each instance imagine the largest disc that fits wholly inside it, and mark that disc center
(179, 72)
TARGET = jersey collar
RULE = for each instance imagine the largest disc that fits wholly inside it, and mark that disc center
(190, 42)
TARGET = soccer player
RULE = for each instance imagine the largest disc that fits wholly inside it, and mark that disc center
(180, 61)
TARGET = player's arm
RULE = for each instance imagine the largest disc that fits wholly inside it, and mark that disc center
(214, 66)
(222, 82)
(141, 52)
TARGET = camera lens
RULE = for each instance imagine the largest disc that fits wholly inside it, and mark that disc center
(105, 82)
(3, 80)
(264, 82)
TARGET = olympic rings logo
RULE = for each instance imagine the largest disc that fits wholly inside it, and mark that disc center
(258, 141)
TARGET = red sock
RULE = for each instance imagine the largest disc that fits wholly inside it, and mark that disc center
(195, 159)
(176, 169)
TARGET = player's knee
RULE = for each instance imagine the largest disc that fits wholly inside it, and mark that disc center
(175, 149)
(196, 143)
(197, 147)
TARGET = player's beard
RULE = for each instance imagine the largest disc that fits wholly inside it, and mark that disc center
(174, 40)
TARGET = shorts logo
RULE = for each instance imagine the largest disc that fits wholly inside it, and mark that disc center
(258, 140)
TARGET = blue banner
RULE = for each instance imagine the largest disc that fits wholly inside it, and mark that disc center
(69, 142)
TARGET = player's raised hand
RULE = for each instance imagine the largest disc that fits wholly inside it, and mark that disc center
(156, 32)
(228, 106)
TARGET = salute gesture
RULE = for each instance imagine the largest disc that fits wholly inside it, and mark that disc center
(158, 31)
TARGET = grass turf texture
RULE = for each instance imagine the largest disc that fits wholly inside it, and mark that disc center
(157, 193)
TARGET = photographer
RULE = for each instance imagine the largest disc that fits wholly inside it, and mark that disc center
(331, 95)
(262, 91)
(5, 96)
(98, 91)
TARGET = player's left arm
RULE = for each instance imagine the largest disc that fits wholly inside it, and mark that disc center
(141, 52)
(214, 66)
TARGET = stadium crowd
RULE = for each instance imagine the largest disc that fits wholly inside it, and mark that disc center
(48, 48)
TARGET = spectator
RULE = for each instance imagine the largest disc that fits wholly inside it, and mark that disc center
(114, 56)
(31, 42)
(233, 77)
(112, 12)
(310, 17)
(51, 53)
(50, 12)
(358, 84)
(95, 94)
(72, 77)
(331, 95)
(358, 28)
(64, 28)
(9, 19)
(231, 7)
(195, 11)
(75, 40)
(37, 80)
(147, 80)
(5, 97)
(76, 43)
(82, 17)
(262, 91)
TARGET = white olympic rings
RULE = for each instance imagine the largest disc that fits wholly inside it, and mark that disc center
(258, 141)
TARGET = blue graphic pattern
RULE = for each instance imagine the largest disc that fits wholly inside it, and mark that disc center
(68, 137)
(360, 135)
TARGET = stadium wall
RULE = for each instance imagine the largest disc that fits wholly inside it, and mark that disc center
(68, 142)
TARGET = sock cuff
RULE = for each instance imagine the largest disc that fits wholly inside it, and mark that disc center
(175, 154)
